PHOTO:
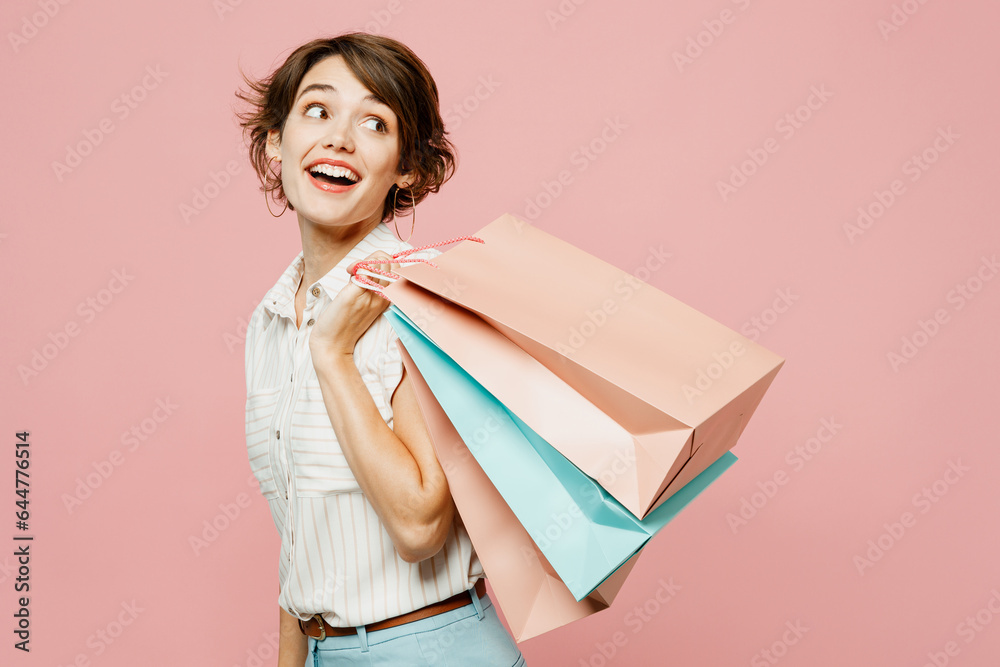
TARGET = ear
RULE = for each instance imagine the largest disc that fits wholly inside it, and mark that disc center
(273, 147)
(404, 177)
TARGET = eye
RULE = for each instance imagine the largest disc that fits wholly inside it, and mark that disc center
(308, 110)
(375, 123)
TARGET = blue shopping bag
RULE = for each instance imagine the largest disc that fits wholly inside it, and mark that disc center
(584, 532)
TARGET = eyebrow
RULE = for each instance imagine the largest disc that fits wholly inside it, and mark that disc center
(327, 88)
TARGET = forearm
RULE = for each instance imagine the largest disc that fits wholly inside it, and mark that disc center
(293, 646)
(409, 505)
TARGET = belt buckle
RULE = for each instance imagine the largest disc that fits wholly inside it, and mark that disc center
(322, 628)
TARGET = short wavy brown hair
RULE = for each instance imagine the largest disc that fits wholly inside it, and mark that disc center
(395, 75)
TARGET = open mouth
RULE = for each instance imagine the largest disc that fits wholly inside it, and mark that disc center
(333, 180)
(336, 176)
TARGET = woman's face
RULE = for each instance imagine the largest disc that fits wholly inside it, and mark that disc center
(340, 148)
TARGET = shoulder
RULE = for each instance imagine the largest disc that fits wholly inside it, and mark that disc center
(259, 317)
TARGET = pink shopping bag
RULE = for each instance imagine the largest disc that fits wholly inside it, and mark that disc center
(655, 390)
(532, 597)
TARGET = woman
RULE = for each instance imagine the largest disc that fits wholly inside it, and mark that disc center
(375, 565)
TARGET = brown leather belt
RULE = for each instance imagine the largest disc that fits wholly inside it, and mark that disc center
(318, 628)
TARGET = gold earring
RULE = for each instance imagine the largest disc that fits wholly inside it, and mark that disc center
(413, 214)
(266, 197)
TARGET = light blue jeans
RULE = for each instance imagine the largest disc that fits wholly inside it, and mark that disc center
(469, 635)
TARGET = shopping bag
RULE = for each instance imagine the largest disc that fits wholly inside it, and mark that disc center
(660, 391)
(526, 587)
(583, 532)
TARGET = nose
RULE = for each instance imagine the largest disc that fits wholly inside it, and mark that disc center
(340, 134)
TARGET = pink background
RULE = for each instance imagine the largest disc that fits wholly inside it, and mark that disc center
(524, 88)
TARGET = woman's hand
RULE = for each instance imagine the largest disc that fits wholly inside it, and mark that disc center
(348, 316)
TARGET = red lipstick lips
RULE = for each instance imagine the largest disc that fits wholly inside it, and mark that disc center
(332, 187)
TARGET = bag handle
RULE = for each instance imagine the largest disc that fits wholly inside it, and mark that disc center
(366, 265)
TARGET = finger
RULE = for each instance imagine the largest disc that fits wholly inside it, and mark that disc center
(375, 267)
(367, 270)
(386, 267)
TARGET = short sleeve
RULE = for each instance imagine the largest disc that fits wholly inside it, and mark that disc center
(249, 343)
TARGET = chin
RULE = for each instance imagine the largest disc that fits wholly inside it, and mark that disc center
(335, 217)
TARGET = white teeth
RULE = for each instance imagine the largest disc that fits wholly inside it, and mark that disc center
(335, 172)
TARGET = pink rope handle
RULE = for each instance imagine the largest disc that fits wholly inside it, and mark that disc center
(399, 258)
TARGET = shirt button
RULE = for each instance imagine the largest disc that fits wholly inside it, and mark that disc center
(278, 434)
(315, 291)
(310, 322)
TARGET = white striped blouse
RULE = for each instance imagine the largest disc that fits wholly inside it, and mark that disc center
(336, 556)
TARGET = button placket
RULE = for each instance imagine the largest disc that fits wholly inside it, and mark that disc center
(277, 425)
(311, 303)
(282, 446)
(300, 356)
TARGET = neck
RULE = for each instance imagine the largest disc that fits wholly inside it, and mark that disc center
(323, 246)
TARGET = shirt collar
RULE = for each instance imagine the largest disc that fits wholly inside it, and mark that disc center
(280, 299)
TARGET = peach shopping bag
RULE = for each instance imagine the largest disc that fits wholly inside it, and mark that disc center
(658, 391)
